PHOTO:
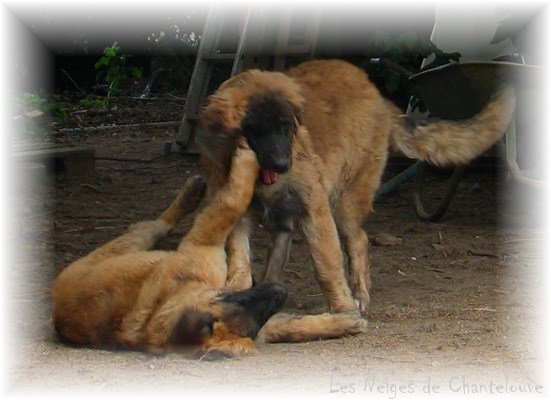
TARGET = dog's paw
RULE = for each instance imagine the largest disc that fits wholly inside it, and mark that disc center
(227, 349)
(362, 301)
(352, 323)
(244, 155)
(240, 281)
(242, 143)
(244, 163)
(243, 151)
(359, 326)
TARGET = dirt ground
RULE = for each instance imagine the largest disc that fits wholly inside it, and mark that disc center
(456, 307)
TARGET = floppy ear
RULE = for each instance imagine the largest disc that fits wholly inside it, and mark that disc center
(193, 328)
(218, 131)
(296, 100)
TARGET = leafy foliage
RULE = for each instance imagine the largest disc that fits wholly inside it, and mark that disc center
(113, 69)
(33, 101)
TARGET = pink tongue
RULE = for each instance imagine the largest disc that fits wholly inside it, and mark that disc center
(268, 177)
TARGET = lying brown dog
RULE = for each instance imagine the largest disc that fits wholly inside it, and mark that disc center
(126, 295)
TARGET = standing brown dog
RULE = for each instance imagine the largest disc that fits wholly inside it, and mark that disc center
(321, 133)
(125, 294)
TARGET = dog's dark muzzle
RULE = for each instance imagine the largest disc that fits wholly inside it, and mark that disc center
(259, 302)
(279, 164)
(272, 166)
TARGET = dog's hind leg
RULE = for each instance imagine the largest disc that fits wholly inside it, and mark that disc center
(319, 229)
(301, 328)
(350, 210)
(278, 256)
(355, 202)
(143, 235)
(356, 246)
(187, 200)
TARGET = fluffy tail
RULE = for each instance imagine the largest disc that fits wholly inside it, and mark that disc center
(444, 143)
(302, 328)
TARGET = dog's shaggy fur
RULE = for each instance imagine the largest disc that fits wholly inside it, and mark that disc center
(124, 294)
(321, 133)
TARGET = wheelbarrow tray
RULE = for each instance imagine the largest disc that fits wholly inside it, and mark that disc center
(460, 90)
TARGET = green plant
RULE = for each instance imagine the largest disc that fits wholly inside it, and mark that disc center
(94, 103)
(32, 101)
(113, 69)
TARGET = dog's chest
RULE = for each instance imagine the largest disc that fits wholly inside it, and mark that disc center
(278, 208)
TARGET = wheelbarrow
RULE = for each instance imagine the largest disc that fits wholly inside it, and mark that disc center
(456, 91)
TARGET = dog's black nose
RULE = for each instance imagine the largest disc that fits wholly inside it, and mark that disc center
(280, 164)
(274, 290)
(277, 289)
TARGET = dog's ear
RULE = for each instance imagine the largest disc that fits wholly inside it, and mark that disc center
(193, 328)
(296, 100)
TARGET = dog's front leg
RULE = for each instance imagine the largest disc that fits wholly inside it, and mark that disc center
(238, 256)
(278, 256)
(320, 231)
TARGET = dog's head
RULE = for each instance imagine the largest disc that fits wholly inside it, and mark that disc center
(263, 107)
(269, 126)
(227, 324)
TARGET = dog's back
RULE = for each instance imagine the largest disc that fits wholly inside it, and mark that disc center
(348, 120)
(346, 117)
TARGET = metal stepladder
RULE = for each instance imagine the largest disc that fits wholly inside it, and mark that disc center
(263, 38)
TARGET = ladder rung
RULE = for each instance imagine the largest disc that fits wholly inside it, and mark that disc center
(219, 57)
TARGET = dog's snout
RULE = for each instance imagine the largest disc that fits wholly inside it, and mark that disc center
(280, 291)
(280, 164)
(275, 291)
